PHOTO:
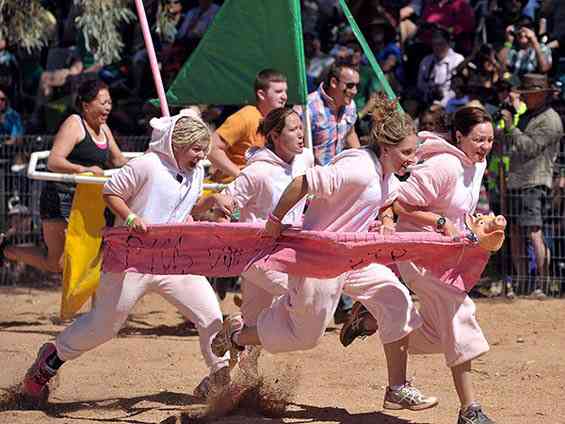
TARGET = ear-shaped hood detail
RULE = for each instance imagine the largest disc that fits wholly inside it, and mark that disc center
(432, 145)
(162, 134)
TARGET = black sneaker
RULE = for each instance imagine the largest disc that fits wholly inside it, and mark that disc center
(354, 327)
(474, 415)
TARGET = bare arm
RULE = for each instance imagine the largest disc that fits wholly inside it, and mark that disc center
(387, 213)
(117, 158)
(219, 158)
(65, 140)
(296, 190)
(421, 217)
(503, 53)
(216, 208)
(543, 63)
(120, 208)
(386, 218)
(352, 140)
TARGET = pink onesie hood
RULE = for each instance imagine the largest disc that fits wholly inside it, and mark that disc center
(445, 181)
(261, 183)
(432, 145)
(258, 154)
(162, 134)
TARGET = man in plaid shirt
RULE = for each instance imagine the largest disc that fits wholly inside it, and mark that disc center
(523, 53)
(333, 113)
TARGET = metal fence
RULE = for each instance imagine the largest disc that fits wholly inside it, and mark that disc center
(19, 200)
(19, 219)
(531, 262)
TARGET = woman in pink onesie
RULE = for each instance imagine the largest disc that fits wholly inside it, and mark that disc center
(256, 192)
(162, 186)
(436, 197)
(349, 194)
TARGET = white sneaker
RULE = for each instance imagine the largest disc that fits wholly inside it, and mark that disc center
(408, 397)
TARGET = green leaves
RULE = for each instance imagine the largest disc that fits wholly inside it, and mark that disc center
(26, 23)
(99, 23)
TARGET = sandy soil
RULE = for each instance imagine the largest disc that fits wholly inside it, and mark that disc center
(147, 374)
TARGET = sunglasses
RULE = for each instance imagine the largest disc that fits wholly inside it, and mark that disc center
(2, 99)
(350, 85)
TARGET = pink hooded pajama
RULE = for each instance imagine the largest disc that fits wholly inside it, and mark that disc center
(446, 183)
(348, 195)
(257, 191)
(159, 192)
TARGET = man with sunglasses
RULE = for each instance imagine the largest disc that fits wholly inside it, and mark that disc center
(333, 113)
(332, 116)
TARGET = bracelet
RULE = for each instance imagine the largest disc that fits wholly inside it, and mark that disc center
(274, 219)
(129, 220)
(508, 45)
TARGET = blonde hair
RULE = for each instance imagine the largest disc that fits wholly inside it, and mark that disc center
(390, 124)
(191, 130)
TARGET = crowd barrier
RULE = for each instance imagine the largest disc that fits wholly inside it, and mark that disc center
(19, 218)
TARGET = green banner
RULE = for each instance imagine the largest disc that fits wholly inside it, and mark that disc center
(245, 37)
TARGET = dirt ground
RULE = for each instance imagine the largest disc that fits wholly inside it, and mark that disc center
(147, 374)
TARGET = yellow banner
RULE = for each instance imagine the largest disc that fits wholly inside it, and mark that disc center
(82, 258)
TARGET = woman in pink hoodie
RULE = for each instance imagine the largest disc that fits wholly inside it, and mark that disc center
(436, 197)
(256, 192)
(349, 194)
(162, 186)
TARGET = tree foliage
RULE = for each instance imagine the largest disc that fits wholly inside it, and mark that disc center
(27, 24)
(99, 23)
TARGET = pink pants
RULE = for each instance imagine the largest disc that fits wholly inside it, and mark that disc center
(298, 319)
(450, 326)
(118, 293)
(259, 288)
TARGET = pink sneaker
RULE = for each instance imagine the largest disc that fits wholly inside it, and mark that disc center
(38, 375)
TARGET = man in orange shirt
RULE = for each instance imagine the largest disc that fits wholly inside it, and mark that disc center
(239, 132)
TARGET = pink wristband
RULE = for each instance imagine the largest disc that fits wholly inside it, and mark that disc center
(274, 219)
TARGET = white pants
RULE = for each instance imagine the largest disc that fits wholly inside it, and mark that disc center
(259, 288)
(450, 326)
(298, 319)
(118, 293)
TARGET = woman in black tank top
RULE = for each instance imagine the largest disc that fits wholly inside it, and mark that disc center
(84, 143)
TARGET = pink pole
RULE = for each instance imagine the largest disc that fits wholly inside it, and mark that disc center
(152, 57)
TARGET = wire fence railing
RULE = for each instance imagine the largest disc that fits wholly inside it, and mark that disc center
(517, 266)
(19, 200)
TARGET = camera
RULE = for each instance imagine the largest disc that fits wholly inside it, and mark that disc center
(497, 116)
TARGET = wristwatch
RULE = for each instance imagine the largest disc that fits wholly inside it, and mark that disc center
(440, 224)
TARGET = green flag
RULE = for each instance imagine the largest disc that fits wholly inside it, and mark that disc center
(245, 37)
(368, 53)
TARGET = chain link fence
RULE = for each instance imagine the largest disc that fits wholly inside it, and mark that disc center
(19, 201)
(532, 260)
(521, 272)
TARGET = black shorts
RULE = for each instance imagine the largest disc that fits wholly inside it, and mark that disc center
(55, 202)
(529, 206)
